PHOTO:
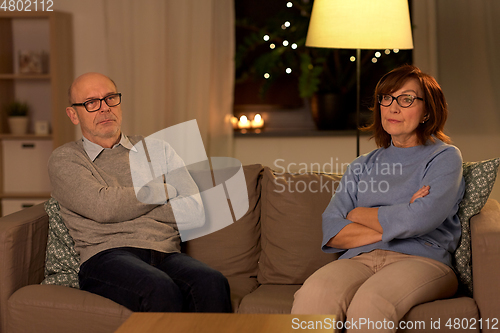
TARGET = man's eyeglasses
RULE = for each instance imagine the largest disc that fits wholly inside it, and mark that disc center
(404, 101)
(94, 104)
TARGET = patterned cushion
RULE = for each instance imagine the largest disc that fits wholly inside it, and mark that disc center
(61, 261)
(479, 180)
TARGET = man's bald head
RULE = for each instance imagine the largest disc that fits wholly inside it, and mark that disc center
(83, 78)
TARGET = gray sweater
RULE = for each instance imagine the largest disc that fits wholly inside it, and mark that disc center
(100, 207)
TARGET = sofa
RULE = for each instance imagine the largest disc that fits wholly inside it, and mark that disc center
(266, 256)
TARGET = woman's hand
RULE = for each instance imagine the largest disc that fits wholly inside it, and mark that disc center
(365, 228)
(420, 193)
(354, 235)
(365, 216)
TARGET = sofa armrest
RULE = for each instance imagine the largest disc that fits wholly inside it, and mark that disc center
(485, 241)
(23, 241)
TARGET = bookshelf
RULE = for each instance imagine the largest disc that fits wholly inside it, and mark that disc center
(23, 158)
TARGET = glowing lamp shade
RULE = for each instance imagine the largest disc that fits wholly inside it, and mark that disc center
(360, 24)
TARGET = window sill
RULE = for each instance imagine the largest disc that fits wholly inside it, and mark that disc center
(291, 132)
(285, 123)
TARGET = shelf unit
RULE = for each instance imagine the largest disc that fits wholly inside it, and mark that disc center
(45, 93)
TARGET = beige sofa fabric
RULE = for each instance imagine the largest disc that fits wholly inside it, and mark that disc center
(234, 250)
(292, 205)
(22, 253)
(240, 286)
(51, 308)
(269, 299)
(485, 231)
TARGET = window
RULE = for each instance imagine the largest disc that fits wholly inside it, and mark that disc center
(285, 81)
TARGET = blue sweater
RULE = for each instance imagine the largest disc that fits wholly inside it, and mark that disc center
(387, 178)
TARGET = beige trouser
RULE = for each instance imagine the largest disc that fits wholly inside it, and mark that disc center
(373, 287)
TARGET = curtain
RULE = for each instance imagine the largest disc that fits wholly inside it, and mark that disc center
(469, 70)
(173, 62)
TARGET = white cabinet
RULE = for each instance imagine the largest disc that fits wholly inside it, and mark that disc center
(10, 206)
(25, 166)
(25, 180)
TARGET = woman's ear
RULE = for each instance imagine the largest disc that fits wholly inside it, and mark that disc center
(426, 117)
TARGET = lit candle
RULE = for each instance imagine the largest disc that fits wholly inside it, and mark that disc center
(243, 122)
(257, 121)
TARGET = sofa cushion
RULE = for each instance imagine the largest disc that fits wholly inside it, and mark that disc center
(479, 180)
(269, 298)
(292, 205)
(240, 287)
(49, 308)
(62, 262)
(234, 250)
(443, 311)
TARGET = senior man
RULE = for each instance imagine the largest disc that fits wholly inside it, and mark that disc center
(129, 248)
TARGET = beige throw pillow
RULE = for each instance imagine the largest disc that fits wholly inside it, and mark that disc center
(292, 205)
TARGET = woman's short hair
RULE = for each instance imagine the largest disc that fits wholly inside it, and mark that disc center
(435, 105)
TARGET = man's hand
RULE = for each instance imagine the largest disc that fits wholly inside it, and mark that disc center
(420, 193)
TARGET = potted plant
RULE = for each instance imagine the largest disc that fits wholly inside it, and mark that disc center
(17, 113)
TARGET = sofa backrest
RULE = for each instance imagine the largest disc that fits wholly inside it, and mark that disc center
(23, 240)
(291, 225)
(234, 250)
(279, 239)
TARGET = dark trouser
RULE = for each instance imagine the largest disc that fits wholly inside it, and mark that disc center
(151, 281)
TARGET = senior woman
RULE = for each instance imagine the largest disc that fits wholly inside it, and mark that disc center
(393, 217)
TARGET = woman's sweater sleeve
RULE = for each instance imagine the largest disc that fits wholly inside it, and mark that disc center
(334, 216)
(443, 173)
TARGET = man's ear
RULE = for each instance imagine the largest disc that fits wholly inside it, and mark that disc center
(71, 112)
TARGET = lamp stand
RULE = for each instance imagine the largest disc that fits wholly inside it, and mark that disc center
(358, 96)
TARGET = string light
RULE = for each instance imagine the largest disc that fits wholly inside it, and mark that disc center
(396, 50)
(352, 58)
(378, 54)
(288, 70)
(267, 76)
(374, 60)
(289, 4)
(285, 43)
(287, 24)
(387, 52)
(294, 46)
(266, 37)
(272, 46)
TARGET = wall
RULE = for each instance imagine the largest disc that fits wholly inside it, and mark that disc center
(88, 27)
(295, 153)
(468, 49)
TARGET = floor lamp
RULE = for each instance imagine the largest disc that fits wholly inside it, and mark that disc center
(360, 24)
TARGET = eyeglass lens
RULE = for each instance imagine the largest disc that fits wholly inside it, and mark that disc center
(95, 104)
(403, 100)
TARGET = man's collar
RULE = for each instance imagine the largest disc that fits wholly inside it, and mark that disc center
(93, 149)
